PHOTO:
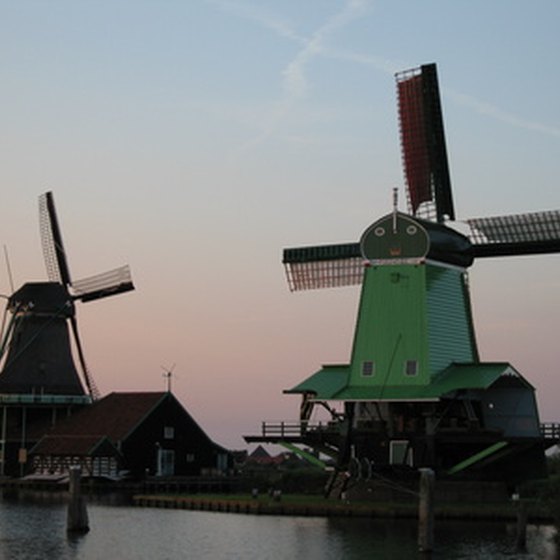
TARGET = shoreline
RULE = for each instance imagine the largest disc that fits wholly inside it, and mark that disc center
(321, 507)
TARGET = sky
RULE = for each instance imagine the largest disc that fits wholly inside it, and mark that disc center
(195, 139)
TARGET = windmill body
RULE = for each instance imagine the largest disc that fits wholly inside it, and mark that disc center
(39, 359)
(43, 372)
(415, 393)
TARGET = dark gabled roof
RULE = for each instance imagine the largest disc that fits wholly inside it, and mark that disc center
(74, 445)
(260, 453)
(115, 416)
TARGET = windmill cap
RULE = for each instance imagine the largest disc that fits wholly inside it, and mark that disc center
(399, 237)
(42, 297)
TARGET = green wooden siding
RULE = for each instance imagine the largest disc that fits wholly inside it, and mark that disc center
(391, 327)
(450, 331)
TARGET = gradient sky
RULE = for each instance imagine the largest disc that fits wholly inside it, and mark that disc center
(196, 139)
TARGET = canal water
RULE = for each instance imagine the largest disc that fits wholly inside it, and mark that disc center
(36, 530)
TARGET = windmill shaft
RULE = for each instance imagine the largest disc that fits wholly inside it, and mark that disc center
(516, 249)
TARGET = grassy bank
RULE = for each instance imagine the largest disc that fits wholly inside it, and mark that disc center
(294, 504)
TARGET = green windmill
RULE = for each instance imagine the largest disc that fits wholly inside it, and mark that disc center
(415, 393)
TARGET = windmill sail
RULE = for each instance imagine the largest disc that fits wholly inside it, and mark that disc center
(51, 239)
(429, 195)
(102, 285)
(519, 234)
(323, 266)
(423, 144)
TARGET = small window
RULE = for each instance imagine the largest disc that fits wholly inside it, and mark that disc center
(368, 369)
(190, 457)
(168, 432)
(400, 453)
(411, 368)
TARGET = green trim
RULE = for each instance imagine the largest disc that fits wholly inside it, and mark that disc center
(325, 383)
(330, 383)
(304, 454)
(477, 457)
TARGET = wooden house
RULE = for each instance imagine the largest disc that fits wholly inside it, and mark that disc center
(138, 433)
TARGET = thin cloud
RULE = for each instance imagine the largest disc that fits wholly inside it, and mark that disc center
(294, 77)
(496, 113)
(295, 84)
(253, 13)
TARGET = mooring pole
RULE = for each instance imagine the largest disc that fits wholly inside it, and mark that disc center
(426, 511)
(77, 520)
(521, 529)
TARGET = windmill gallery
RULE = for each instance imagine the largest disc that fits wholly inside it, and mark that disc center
(415, 393)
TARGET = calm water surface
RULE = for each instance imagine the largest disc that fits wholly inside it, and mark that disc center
(32, 530)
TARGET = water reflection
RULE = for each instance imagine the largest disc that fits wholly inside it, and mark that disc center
(33, 529)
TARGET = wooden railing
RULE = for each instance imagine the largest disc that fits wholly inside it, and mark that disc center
(295, 429)
(551, 431)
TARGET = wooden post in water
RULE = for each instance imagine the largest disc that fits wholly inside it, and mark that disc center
(426, 511)
(77, 519)
(521, 532)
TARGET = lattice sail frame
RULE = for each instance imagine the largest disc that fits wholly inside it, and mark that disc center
(108, 283)
(104, 284)
(326, 266)
(516, 234)
(424, 153)
(51, 242)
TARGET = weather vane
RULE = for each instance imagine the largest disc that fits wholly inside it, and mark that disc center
(168, 374)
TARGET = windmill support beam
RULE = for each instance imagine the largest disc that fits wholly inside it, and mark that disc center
(485, 453)
(21, 412)
(4, 436)
(309, 457)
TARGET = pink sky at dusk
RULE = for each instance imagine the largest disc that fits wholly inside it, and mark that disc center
(196, 140)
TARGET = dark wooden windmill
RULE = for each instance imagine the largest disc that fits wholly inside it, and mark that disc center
(38, 371)
(415, 393)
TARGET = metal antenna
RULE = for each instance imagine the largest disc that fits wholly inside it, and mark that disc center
(9, 269)
(395, 206)
(168, 375)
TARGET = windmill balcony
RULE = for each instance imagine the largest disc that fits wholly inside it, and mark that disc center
(42, 398)
(550, 431)
(289, 430)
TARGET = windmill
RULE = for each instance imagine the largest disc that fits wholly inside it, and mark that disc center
(35, 351)
(168, 375)
(415, 393)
